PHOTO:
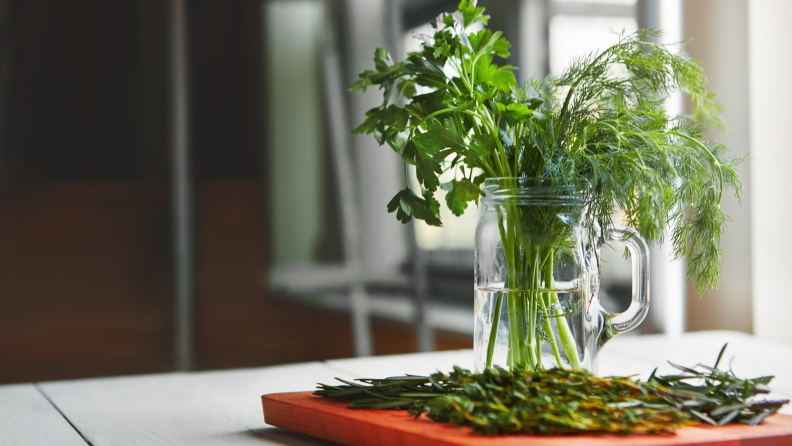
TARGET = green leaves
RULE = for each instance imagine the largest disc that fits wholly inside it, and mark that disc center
(406, 88)
(484, 145)
(451, 123)
(425, 70)
(501, 77)
(381, 58)
(486, 42)
(446, 134)
(386, 121)
(426, 167)
(385, 75)
(459, 192)
(429, 143)
(445, 46)
(514, 113)
(425, 104)
(408, 205)
(472, 14)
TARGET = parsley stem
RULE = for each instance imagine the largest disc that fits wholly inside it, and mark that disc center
(496, 314)
(565, 334)
(447, 110)
(546, 302)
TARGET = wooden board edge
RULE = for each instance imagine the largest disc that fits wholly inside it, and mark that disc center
(334, 426)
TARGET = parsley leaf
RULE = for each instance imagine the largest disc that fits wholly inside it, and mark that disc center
(407, 204)
(472, 14)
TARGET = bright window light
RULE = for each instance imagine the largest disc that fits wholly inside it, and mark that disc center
(457, 232)
(607, 2)
(575, 36)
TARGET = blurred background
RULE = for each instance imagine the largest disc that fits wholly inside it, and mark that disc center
(178, 190)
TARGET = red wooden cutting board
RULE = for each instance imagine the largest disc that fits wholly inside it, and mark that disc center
(319, 417)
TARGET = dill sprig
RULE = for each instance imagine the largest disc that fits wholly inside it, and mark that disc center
(558, 401)
(612, 131)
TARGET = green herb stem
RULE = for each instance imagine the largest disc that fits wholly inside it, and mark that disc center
(494, 328)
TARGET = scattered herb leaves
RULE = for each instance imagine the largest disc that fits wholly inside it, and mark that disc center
(556, 401)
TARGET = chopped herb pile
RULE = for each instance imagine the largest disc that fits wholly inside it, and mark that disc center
(556, 401)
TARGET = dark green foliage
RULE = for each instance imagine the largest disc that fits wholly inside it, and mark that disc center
(601, 123)
(407, 205)
(556, 401)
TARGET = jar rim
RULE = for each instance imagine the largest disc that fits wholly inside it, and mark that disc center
(533, 189)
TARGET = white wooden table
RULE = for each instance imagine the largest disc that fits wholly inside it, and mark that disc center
(224, 407)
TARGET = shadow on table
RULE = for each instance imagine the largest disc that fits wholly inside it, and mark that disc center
(287, 437)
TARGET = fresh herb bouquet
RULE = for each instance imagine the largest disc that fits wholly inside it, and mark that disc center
(600, 129)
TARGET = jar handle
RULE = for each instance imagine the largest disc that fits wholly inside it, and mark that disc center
(639, 254)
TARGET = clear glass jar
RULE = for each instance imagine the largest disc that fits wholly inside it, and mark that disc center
(537, 278)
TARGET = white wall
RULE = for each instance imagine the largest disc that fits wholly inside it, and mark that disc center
(770, 62)
(719, 29)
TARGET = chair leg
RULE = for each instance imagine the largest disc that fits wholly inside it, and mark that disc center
(426, 341)
(426, 338)
(361, 321)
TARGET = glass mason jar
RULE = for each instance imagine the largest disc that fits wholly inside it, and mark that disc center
(537, 278)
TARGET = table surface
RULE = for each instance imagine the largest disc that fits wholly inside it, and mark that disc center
(224, 407)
